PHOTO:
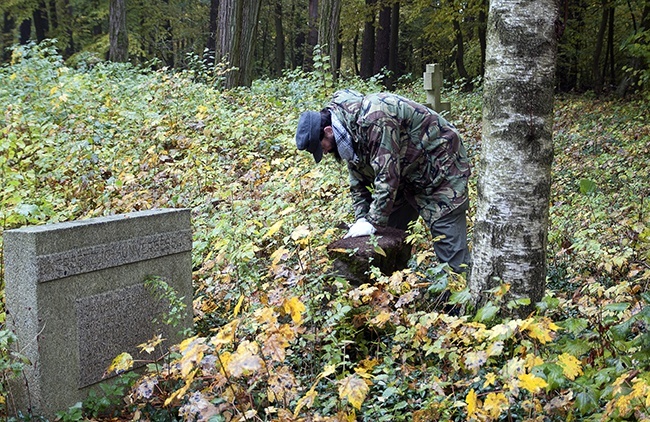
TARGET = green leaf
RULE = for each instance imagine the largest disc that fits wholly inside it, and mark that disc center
(462, 297)
(586, 402)
(574, 325)
(486, 313)
(380, 251)
(587, 186)
(617, 307)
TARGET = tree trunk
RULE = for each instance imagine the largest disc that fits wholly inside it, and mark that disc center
(237, 25)
(598, 50)
(460, 56)
(510, 233)
(368, 42)
(312, 36)
(250, 19)
(119, 41)
(328, 31)
(393, 49)
(610, 48)
(41, 24)
(25, 31)
(482, 25)
(211, 44)
(279, 39)
(382, 46)
(8, 24)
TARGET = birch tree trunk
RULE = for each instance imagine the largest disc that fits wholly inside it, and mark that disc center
(511, 225)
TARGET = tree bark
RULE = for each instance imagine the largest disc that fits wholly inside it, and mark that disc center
(510, 233)
(328, 31)
(237, 25)
(393, 49)
(41, 24)
(460, 56)
(482, 24)
(382, 46)
(211, 44)
(119, 40)
(279, 39)
(597, 75)
(368, 42)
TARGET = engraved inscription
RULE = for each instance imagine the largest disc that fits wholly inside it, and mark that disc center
(112, 323)
(85, 260)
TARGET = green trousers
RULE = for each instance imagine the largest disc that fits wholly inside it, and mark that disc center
(452, 248)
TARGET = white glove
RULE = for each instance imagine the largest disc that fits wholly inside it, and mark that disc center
(361, 228)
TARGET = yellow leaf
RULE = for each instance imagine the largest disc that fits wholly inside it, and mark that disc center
(245, 360)
(307, 400)
(532, 383)
(150, 346)
(226, 334)
(380, 319)
(235, 312)
(471, 402)
(178, 394)
(295, 308)
(278, 255)
(495, 403)
(266, 315)
(354, 389)
(122, 362)
(490, 379)
(274, 229)
(192, 356)
(300, 232)
(542, 330)
(571, 366)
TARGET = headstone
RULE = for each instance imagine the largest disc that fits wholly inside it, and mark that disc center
(353, 257)
(76, 298)
(433, 87)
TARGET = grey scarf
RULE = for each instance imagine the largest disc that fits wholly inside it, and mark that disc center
(343, 141)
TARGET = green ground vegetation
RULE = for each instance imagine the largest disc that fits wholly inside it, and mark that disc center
(277, 338)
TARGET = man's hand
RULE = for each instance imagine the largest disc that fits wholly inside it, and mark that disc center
(361, 228)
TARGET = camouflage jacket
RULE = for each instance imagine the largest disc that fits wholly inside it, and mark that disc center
(402, 146)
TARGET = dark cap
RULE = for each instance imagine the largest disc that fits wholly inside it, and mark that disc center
(308, 134)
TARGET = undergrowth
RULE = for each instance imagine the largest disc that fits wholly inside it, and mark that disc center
(277, 337)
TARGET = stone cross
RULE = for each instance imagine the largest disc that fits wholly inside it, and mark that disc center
(433, 86)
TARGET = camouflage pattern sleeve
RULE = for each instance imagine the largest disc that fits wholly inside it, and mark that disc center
(360, 191)
(384, 136)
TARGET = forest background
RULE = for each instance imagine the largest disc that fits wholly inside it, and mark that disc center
(277, 337)
(603, 44)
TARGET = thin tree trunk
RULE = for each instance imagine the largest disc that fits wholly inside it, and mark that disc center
(25, 31)
(510, 233)
(368, 41)
(482, 25)
(600, 41)
(41, 24)
(610, 47)
(312, 36)
(279, 39)
(211, 44)
(460, 56)
(393, 50)
(382, 43)
(119, 41)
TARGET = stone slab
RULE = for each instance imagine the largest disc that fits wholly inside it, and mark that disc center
(75, 297)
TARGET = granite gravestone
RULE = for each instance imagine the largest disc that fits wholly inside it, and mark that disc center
(76, 298)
